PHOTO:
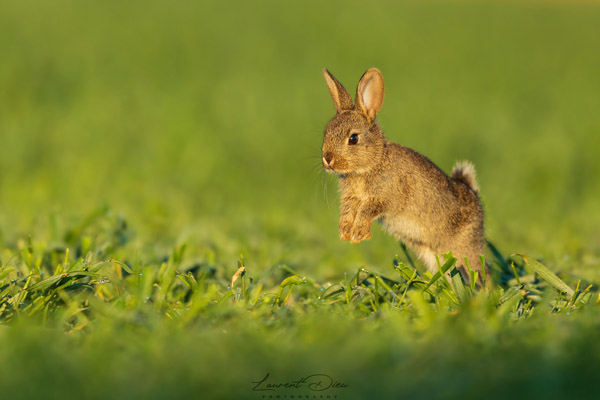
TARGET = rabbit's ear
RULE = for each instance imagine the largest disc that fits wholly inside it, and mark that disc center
(341, 98)
(369, 94)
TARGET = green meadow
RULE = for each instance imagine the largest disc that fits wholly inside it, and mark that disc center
(167, 229)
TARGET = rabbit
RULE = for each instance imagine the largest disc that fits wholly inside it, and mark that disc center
(413, 199)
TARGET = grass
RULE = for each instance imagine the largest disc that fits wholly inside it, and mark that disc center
(145, 146)
(177, 327)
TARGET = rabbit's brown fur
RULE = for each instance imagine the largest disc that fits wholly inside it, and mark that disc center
(379, 180)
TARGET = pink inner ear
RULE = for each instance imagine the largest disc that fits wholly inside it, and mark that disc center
(366, 94)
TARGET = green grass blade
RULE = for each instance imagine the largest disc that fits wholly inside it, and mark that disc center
(547, 275)
(450, 263)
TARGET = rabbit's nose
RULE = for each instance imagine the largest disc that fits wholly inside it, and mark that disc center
(328, 160)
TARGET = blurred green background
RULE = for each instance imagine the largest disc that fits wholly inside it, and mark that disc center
(201, 123)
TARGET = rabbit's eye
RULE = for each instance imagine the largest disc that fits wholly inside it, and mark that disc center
(353, 139)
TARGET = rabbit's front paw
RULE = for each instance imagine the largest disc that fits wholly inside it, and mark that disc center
(345, 229)
(360, 232)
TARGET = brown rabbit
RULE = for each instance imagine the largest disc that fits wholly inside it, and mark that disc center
(411, 197)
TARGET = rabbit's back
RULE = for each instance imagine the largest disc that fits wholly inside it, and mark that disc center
(424, 205)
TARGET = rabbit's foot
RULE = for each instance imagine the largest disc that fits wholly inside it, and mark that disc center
(345, 229)
(360, 232)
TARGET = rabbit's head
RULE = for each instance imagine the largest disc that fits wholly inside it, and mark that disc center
(353, 141)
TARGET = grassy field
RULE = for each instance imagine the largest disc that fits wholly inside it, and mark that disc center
(149, 149)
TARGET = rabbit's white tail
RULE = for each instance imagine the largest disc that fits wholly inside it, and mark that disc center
(464, 171)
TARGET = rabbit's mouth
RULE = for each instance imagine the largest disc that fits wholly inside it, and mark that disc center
(328, 168)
